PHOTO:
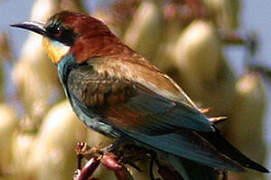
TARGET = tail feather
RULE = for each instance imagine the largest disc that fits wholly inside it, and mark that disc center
(189, 170)
(223, 146)
(204, 148)
(188, 145)
(196, 171)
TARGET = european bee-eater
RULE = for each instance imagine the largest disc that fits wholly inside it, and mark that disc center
(118, 93)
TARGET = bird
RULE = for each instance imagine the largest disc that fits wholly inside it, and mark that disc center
(117, 92)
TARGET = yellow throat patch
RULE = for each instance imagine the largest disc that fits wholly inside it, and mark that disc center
(55, 49)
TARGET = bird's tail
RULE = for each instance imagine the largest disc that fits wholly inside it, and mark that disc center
(190, 170)
(223, 146)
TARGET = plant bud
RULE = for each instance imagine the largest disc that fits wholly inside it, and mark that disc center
(54, 156)
(246, 122)
(8, 124)
(198, 50)
(146, 30)
(22, 143)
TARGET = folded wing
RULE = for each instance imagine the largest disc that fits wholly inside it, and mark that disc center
(135, 110)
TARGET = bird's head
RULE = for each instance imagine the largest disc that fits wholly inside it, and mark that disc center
(75, 33)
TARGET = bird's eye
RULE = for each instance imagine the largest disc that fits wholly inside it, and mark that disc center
(61, 33)
(58, 32)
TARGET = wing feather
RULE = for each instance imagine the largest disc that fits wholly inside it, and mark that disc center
(128, 104)
(154, 112)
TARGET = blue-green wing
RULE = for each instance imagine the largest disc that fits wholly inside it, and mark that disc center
(130, 105)
(147, 117)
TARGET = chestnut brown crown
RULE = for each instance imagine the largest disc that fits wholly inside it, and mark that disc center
(87, 36)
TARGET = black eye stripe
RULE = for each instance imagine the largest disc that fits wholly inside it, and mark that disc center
(56, 31)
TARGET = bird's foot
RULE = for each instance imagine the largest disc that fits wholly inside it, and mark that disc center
(96, 156)
(116, 156)
(84, 151)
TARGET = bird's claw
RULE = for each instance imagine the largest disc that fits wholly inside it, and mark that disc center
(114, 157)
(95, 156)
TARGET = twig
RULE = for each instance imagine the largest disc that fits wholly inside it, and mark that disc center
(88, 169)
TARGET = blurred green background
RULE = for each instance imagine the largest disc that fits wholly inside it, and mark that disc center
(217, 50)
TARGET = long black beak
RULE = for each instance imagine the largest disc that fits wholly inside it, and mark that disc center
(36, 27)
